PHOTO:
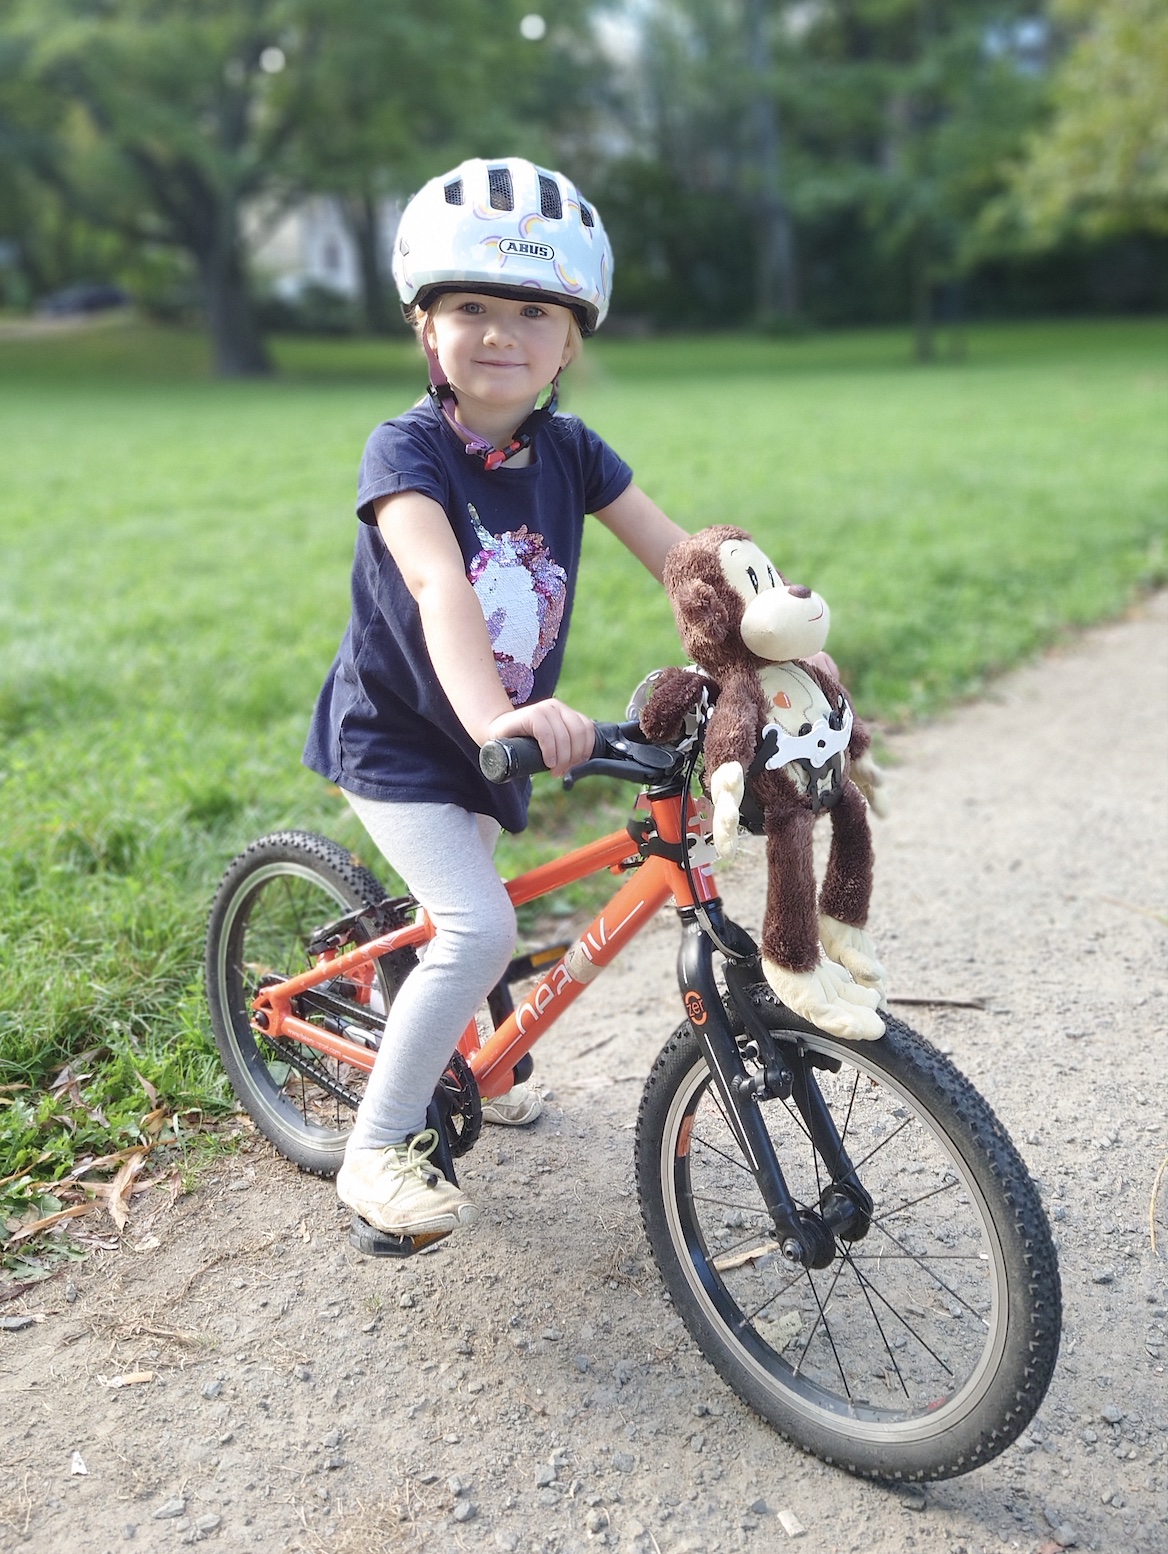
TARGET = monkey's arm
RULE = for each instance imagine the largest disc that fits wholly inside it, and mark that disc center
(677, 693)
(731, 741)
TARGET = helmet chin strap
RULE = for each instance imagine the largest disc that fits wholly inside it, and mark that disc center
(441, 391)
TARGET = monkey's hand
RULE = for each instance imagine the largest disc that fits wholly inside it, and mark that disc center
(870, 780)
(727, 785)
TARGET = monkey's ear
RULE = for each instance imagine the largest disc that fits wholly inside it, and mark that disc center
(702, 618)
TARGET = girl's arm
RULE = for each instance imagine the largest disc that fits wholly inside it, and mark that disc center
(642, 527)
(418, 536)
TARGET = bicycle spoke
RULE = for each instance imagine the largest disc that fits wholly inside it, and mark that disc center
(868, 1287)
(822, 1317)
(916, 1258)
(924, 1198)
(739, 1165)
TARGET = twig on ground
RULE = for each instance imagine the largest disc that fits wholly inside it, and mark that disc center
(1152, 1205)
(939, 1003)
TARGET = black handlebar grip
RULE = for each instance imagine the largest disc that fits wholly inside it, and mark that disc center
(503, 760)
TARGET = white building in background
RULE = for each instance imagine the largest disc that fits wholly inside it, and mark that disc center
(310, 245)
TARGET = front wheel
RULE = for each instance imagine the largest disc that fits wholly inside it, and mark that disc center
(926, 1345)
(273, 899)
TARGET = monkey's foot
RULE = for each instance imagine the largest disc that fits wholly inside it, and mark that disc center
(827, 997)
(852, 948)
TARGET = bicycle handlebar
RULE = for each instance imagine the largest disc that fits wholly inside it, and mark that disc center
(621, 750)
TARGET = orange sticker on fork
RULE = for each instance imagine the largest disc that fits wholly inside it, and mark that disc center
(695, 1007)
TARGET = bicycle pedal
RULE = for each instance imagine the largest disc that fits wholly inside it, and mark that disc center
(380, 1243)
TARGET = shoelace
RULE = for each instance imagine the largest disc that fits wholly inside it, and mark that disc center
(421, 1147)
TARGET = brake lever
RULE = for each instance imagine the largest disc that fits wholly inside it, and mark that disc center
(626, 771)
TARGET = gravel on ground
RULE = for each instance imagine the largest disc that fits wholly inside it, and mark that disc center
(525, 1386)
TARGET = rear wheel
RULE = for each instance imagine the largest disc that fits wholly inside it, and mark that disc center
(270, 904)
(926, 1345)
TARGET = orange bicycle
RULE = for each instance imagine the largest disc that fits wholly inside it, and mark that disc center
(846, 1229)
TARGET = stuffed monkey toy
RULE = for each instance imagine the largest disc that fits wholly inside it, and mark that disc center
(782, 743)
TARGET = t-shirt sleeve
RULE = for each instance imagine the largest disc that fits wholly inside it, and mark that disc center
(606, 474)
(395, 460)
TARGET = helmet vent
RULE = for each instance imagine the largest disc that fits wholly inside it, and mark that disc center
(453, 192)
(586, 215)
(499, 180)
(550, 204)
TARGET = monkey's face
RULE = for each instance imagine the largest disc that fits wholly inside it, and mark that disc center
(780, 620)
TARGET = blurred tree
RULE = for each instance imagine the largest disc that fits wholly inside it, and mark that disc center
(170, 118)
(795, 117)
(916, 105)
(169, 121)
(1099, 166)
(704, 108)
(400, 92)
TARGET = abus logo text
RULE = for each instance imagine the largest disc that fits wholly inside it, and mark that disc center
(513, 245)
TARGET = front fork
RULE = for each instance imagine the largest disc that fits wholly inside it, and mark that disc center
(806, 1235)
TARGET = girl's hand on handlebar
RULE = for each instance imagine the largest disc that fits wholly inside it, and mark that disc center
(565, 737)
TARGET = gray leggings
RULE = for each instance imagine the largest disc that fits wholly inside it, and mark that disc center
(446, 857)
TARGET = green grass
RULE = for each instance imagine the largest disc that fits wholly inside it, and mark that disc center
(174, 583)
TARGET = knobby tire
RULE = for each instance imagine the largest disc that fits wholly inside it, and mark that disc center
(926, 1346)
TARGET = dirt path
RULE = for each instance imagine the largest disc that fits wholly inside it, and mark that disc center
(525, 1387)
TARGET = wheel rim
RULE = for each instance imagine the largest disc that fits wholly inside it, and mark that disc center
(270, 921)
(900, 1337)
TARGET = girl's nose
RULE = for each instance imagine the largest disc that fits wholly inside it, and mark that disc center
(798, 590)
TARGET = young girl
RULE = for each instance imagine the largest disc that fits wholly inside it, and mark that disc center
(472, 508)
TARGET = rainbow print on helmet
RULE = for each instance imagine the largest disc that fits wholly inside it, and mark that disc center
(507, 227)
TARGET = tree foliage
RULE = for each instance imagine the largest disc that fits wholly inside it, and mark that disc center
(1099, 166)
(165, 122)
(887, 119)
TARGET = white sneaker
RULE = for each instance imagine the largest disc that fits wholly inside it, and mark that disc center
(399, 1191)
(515, 1108)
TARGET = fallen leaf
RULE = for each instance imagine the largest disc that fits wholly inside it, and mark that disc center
(130, 1379)
(49, 1219)
(117, 1194)
(151, 1092)
(14, 1291)
(154, 1121)
(101, 1163)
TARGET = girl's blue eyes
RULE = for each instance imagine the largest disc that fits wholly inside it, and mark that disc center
(474, 309)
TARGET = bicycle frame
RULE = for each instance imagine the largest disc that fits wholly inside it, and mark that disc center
(652, 851)
(657, 875)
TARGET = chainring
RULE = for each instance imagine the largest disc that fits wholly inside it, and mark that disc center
(461, 1103)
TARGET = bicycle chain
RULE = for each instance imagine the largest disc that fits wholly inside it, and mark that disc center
(296, 1055)
(465, 1116)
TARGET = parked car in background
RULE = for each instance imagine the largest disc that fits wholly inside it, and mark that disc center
(85, 297)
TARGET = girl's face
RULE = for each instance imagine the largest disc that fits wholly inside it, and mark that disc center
(499, 351)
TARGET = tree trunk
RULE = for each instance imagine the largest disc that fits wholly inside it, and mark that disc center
(212, 235)
(236, 343)
(922, 295)
(776, 285)
(360, 211)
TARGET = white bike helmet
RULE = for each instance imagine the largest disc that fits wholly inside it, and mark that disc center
(505, 227)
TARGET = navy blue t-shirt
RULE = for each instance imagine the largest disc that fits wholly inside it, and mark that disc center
(383, 727)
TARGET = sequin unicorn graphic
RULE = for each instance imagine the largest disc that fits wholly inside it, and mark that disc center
(522, 593)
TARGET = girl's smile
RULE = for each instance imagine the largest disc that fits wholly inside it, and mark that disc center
(499, 353)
